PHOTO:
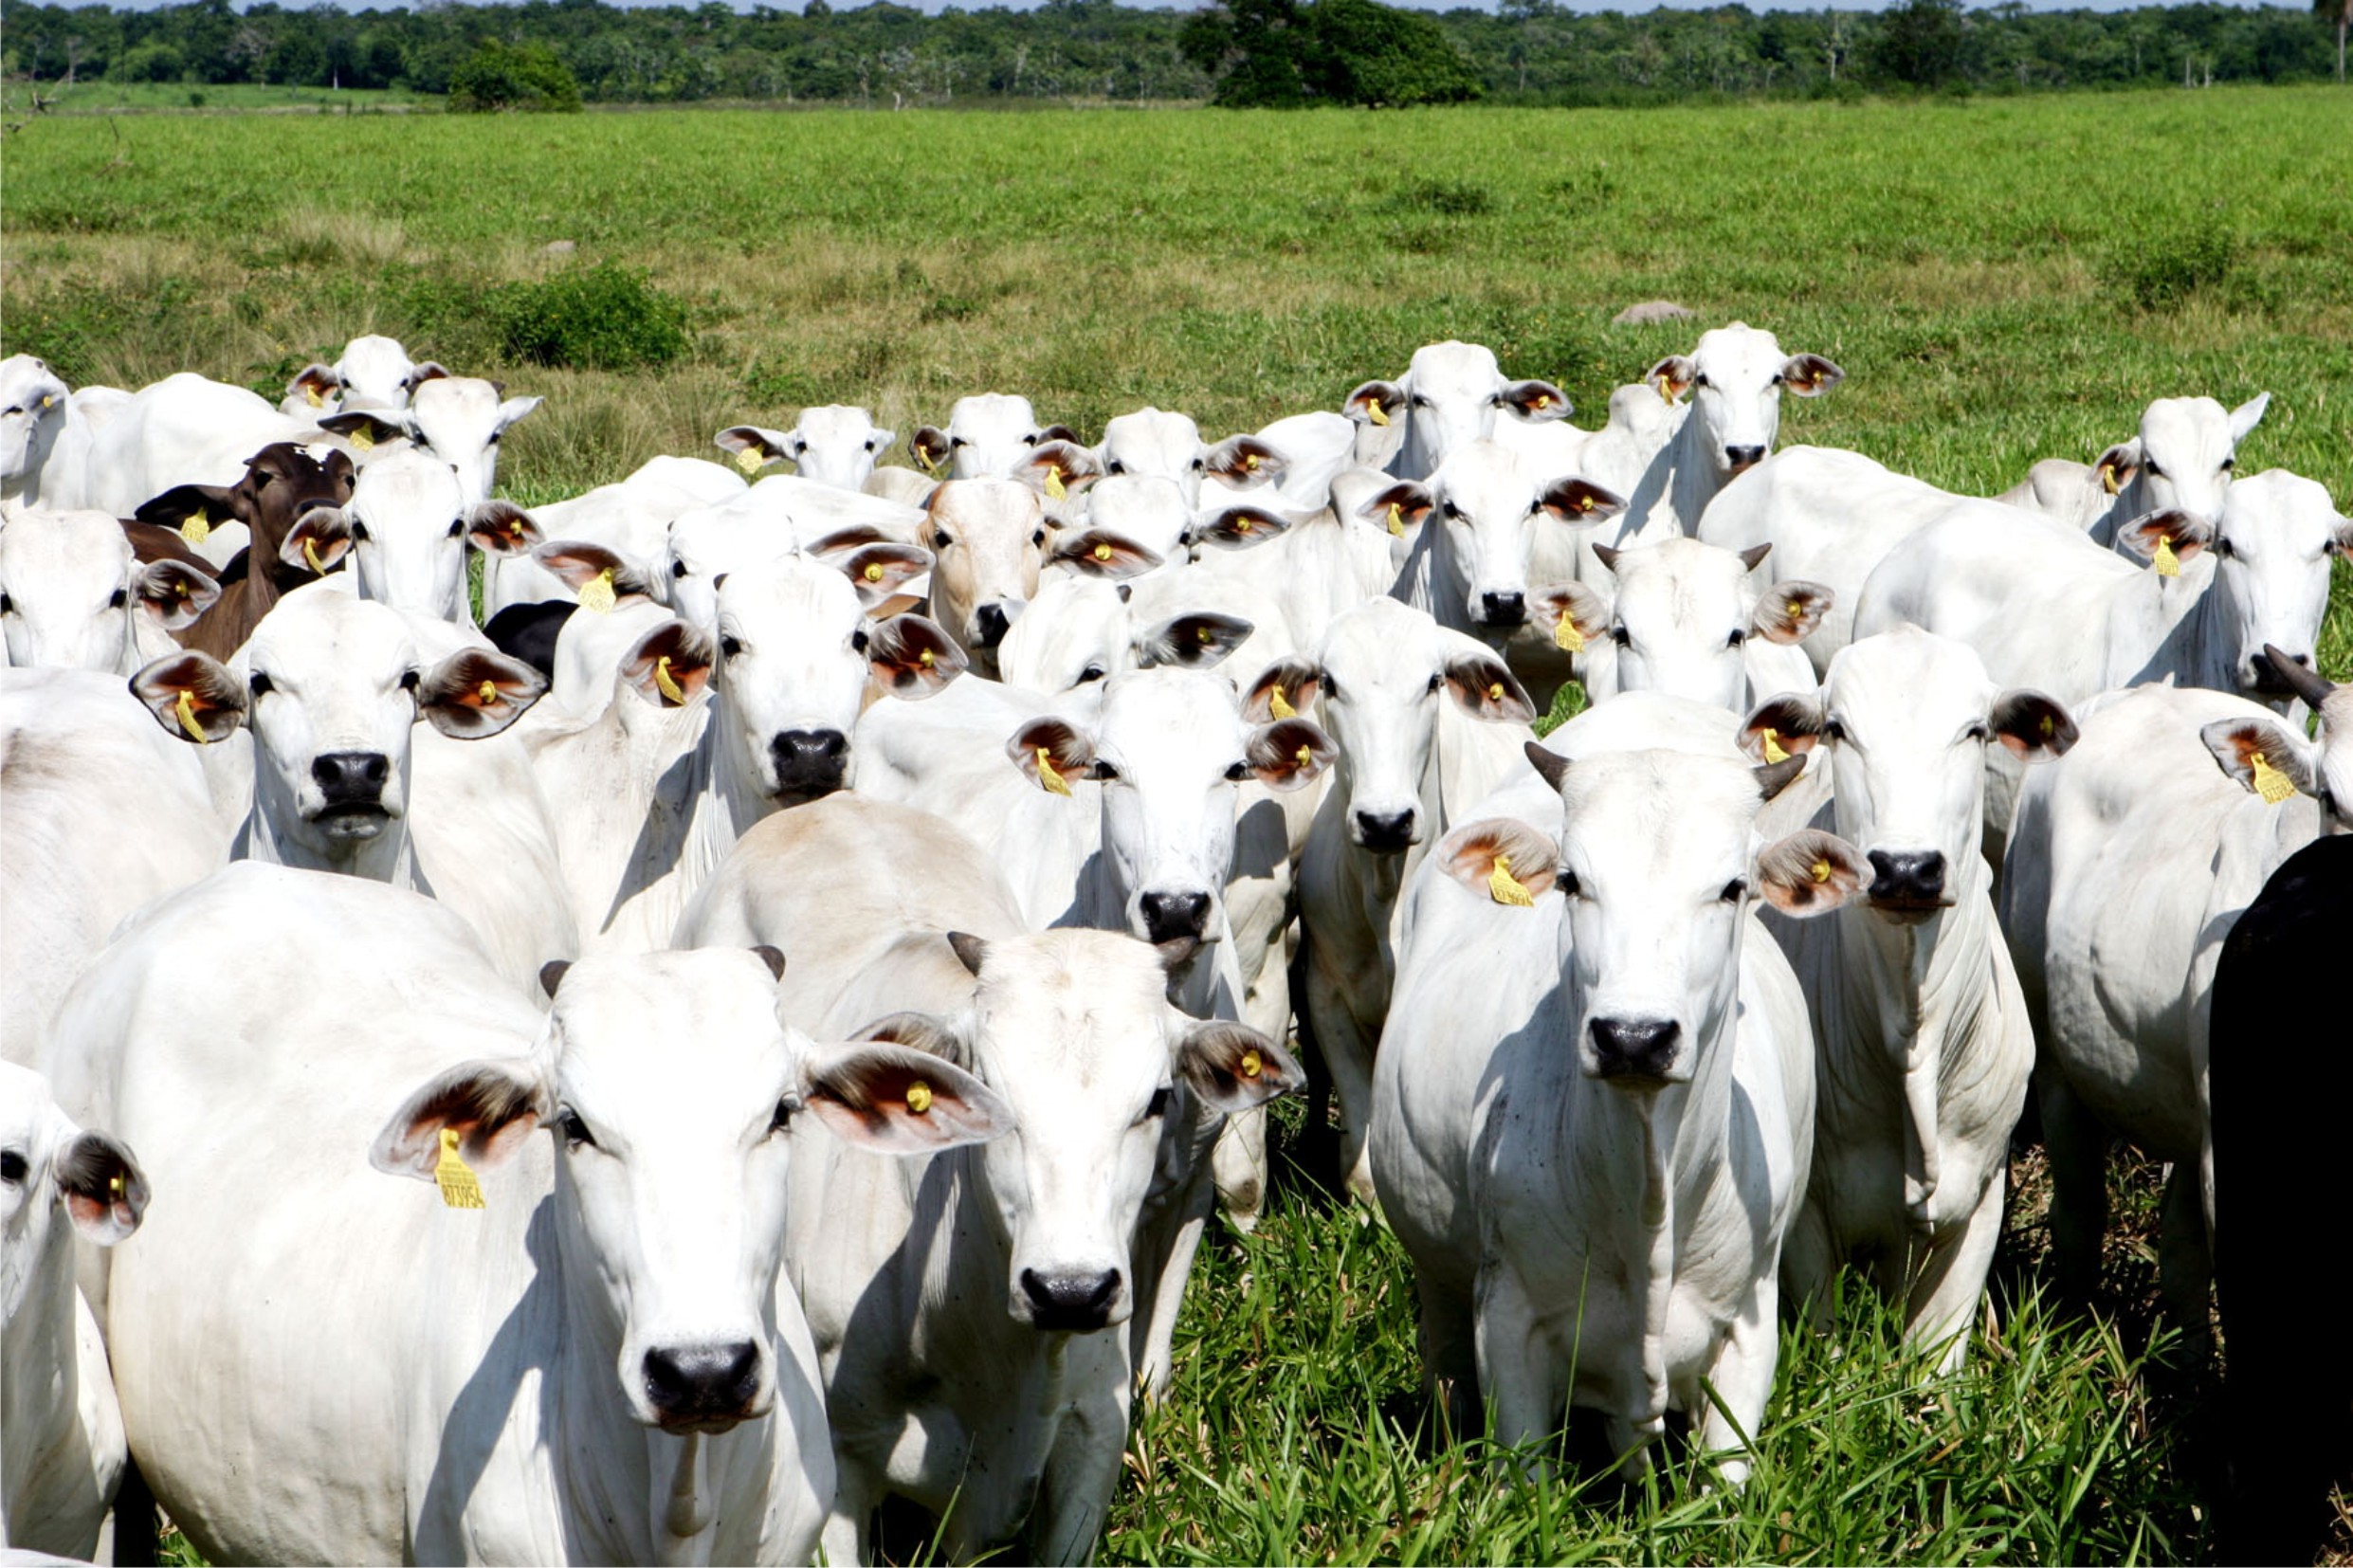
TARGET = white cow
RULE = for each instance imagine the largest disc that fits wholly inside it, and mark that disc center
(2181, 461)
(409, 524)
(1691, 620)
(1315, 448)
(1156, 444)
(374, 372)
(988, 538)
(630, 517)
(967, 1325)
(73, 596)
(833, 444)
(33, 407)
(1323, 563)
(458, 419)
(2129, 864)
(185, 429)
(595, 1366)
(1924, 1045)
(991, 435)
(1593, 1116)
(61, 1430)
(1447, 399)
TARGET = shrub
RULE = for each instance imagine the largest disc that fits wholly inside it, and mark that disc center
(607, 318)
(2161, 273)
(513, 76)
(1284, 54)
(149, 62)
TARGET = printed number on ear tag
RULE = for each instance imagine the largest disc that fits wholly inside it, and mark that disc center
(459, 1189)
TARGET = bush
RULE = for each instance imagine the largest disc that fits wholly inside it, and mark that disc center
(605, 317)
(1281, 54)
(513, 76)
(149, 62)
(2161, 273)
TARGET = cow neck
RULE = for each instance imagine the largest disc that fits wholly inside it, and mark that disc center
(389, 857)
(724, 803)
(2159, 627)
(40, 1396)
(1674, 488)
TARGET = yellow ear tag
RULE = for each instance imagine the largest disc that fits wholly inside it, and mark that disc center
(1396, 521)
(197, 528)
(1241, 526)
(179, 588)
(1103, 552)
(1821, 870)
(1304, 757)
(310, 555)
(874, 572)
(49, 401)
(1495, 692)
(2168, 564)
(1374, 412)
(2050, 726)
(1543, 402)
(1055, 490)
(1055, 782)
(1797, 610)
(1278, 705)
(317, 401)
(596, 595)
(1565, 636)
(1506, 889)
(362, 439)
(931, 463)
(1666, 391)
(666, 683)
(1586, 504)
(2109, 480)
(114, 1187)
(924, 658)
(486, 693)
(1251, 463)
(918, 1097)
(1773, 749)
(751, 460)
(1252, 1063)
(2272, 784)
(186, 710)
(1203, 635)
(459, 1189)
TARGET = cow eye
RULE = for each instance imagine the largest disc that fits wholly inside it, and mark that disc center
(958, 441)
(12, 1165)
(1038, 538)
(574, 1130)
(8, 606)
(1436, 682)
(1199, 465)
(1103, 772)
(1092, 673)
(1700, 380)
(1622, 637)
(1239, 771)
(494, 439)
(1115, 466)
(1735, 890)
(2224, 549)
(1979, 732)
(783, 1118)
(678, 569)
(2148, 465)
(871, 443)
(939, 539)
(1418, 401)
(409, 679)
(360, 533)
(119, 598)
(1029, 440)
(1157, 1106)
(1567, 881)
(1328, 689)
(1834, 732)
(858, 640)
(1737, 638)
(729, 647)
(258, 684)
(1452, 510)
(13, 411)
(457, 526)
(2228, 464)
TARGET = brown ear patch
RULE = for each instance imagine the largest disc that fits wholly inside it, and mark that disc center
(502, 528)
(1230, 1066)
(2032, 725)
(1781, 727)
(1289, 753)
(1292, 677)
(912, 656)
(474, 693)
(1809, 872)
(1502, 859)
(192, 696)
(1789, 612)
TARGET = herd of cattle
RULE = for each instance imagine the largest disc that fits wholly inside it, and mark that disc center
(894, 892)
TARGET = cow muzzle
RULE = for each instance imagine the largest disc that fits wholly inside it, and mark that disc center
(809, 763)
(1636, 1053)
(1171, 917)
(990, 624)
(704, 1387)
(1741, 458)
(1382, 833)
(351, 788)
(1502, 609)
(1077, 1301)
(1907, 886)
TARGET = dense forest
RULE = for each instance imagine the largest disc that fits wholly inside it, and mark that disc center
(888, 54)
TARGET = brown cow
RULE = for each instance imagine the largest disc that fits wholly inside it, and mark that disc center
(291, 501)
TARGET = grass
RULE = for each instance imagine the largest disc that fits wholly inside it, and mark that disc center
(2002, 281)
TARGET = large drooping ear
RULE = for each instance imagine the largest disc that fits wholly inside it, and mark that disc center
(105, 1192)
(1230, 1066)
(1052, 753)
(893, 1098)
(2262, 754)
(475, 693)
(515, 410)
(877, 572)
(1401, 506)
(2247, 416)
(1054, 468)
(2118, 465)
(912, 656)
(1500, 858)
(2032, 726)
(670, 665)
(173, 593)
(318, 540)
(1200, 639)
(192, 696)
(754, 448)
(1789, 611)
(195, 508)
(1237, 527)
(1244, 459)
(1534, 401)
(2180, 532)
(924, 1032)
(1289, 753)
(592, 572)
(367, 431)
(1101, 553)
(931, 446)
(1375, 402)
(1549, 764)
(1784, 726)
(1580, 500)
(502, 528)
(1810, 374)
(492, 1105)
(1809, 873)
(1672, 377)
(315, 384)
(1483, 686)
(1283, 688)
(1575, 613)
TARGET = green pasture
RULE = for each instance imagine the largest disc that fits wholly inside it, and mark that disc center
(2001, 280)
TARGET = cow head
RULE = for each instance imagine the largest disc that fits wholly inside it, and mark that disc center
(991, 435)
(1680, 617)
(72, 594)
(32, 411)
(409, 524)
(2253, 751)
(833, 444)
(1448, 398)
(1488, 508)
(49, 1168)
(1736, 377)
(281, 484)
(2183, 459)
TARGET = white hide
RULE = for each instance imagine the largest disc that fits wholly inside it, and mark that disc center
(833, 444)
(2181, 460)
(74, 596)
(1691, 620)
(1447, 398)
(373, 374)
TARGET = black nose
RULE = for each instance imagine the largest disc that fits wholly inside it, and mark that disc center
(1636, 1048)
(1387, 834)
(993, 623)
(351, 778)
(1503, 608)
(809, 762)
(692, 1384)
(1169, 916)
(1079, 1304)
(1906, 876)
(1743, 457)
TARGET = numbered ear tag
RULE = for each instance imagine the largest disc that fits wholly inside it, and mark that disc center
(1374, 412)
(362, 439)
(1278, 705)
(2271, 783)
(1774, 752)
(184, 710)
(1055, 489)
(1565, 636)
(666, 683)
(1396, 521)
(597, 595)
(1053, 782)
(197, 528)
(458, 1188)
(1506, 889)
(2168, 564)
(317, 399)
(751, 460)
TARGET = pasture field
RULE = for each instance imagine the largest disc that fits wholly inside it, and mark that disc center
(2001, 280)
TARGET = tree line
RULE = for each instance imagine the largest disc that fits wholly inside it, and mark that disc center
(1240, 51)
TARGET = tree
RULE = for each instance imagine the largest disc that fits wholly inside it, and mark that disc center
(1920, 42)
(514, 76)
(1280, 54)
(2340, 13)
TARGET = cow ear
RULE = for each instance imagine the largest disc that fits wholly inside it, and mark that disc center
(367, 431)
(491, 1106)
(1057, 432)
(105, 1194)
(670, 665)
(1580, 501)
(192, 696)
(931, 446)
(1289, 753)
(1672, 377)
(754, 448)
(1375, 402)
(474, 694)
(211, 504)
(892, 1099)
(2118, 465)
(1101, 553)
(1535, 401)
(1781, 727)
(1056, 468)
(432, 370)
(1484, 686)
(1066, 753)
(315, 384)
(592, 572)
(173, 593)
(1810, 374)
(1576, 615)
(927, 1033)
(1401, 505)
(1809, 873)
(1230, 1066)
(2247, 416)
(1788, 612)
(879, 570)
(1500, 858)
(1197, 640)
(1549, 764)
(318, 540)
(2184, 534)
(516, 409)
(2262, 754)
(1244, 459)
(502, 528)
(1292, 679)
(912, 656)
(1239, 527)
(2032, 725)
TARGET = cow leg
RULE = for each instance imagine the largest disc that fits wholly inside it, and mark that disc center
(2076, 1145)
(1808, 1261)
(1944, 1294)
(2185, 1262)
(1239, 1164)
(1081, 1474)
(1515, 1364)
(1450, 1347)
(845, 1536)
(1348, 1055)
(1160, 1275)
(1743, 1378)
